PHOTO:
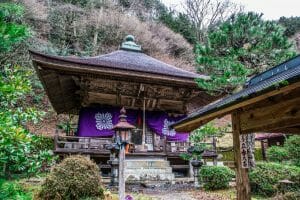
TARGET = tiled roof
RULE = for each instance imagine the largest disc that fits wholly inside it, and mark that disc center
(290, 74)
(129, 60)
(263, 136)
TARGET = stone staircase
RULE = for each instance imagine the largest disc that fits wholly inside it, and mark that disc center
(148, 169)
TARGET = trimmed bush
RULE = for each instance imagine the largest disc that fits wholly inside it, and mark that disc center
(76, 177)
(292, 145)
(277, 154)
(265, 176)
(216, 177)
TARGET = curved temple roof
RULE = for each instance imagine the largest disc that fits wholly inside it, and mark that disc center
(119, 77)
(127, 60)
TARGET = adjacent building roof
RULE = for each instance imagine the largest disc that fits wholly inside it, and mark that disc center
(274, 78)
(263, 136)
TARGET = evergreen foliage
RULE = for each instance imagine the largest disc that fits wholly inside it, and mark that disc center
(179, 23)
(265, 176)
(13, 191)
(216, 177)
(11, 31)
(292, 145)
(291, 24)
(242, 46)
(18, 155)
(277, 154)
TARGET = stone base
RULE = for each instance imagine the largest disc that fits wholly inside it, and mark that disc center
(141, 169)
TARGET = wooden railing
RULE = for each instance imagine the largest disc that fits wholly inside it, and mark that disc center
(73, 144)
(176, 147)
(81, 144)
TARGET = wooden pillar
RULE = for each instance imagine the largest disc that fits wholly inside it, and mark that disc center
(242, 179)
(215, 161)
(263, 149)
(144, 124)
(56, 139)
(121, 174)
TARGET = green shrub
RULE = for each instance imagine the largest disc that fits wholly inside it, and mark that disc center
(292, 145)
(265, 176)
(277, 154)
(76, 177)
(228, 155)
(11, 190)
(216, 177)
(41, 143)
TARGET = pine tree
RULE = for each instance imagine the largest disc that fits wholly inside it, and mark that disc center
(240, 47)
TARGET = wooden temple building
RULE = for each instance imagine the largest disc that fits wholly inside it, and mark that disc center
(269, 103)
(155, 94)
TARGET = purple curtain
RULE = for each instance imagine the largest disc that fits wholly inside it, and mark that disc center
(98, 122)
(159, 123)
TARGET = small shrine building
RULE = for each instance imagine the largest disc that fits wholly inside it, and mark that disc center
(155, 94)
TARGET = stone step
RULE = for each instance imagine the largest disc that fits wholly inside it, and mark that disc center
(148, 170)
(146, 163)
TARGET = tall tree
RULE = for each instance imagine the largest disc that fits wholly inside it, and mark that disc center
(292, 25)
(17, 152)
(207, 13)
(179, 23)
(240, 47)
(12, 32)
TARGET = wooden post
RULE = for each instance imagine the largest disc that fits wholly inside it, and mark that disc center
(144, 124)
(263, 149)
(121, 174)
(56, 139)
(242, 179)
(165, 145)
(214, 146)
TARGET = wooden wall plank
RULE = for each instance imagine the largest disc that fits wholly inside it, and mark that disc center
(271, 117)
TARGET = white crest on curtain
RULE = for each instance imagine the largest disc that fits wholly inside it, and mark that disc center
(166, 130)
(103, 121)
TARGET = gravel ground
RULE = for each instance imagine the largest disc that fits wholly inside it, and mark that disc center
(196, 195)
(173, 196)
(182, 191)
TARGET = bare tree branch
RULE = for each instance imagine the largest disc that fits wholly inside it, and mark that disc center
(207, 13)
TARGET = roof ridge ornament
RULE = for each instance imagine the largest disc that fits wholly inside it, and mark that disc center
(130, 45)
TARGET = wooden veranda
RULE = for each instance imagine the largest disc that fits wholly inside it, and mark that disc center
(269, 103)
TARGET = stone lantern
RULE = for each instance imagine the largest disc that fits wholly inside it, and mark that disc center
(113, 162)
(196, 162)
(122, 134)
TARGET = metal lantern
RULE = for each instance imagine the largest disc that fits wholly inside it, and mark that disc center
(122, 134)
(123, 129)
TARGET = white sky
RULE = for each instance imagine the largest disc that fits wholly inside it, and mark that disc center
(272, 9)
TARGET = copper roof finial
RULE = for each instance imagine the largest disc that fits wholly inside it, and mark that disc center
(123, 116)
(130, 45)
